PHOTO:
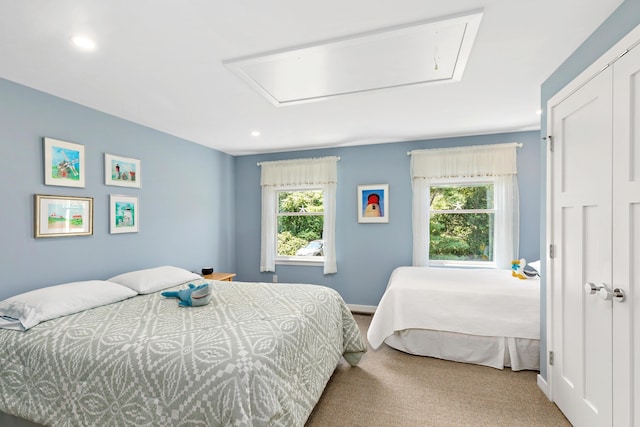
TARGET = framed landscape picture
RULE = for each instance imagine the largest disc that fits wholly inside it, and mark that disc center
(124, 212)
(63, 163)
(373, 203)
(121, 171)
(59, 216)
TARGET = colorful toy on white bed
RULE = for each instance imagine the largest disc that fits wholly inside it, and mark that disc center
(517, 268)
(193, 296)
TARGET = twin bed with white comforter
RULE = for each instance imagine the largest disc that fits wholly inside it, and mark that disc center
(257, 354)
(481, 316)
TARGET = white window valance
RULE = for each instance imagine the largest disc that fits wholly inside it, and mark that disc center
(320, 172)
(316, 171)
(460, 162)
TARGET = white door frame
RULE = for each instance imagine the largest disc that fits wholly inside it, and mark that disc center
(628, 42)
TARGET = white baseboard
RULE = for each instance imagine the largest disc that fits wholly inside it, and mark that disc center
(544, 386)
(364, 309)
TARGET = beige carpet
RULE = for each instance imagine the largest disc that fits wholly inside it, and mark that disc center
(391, 388)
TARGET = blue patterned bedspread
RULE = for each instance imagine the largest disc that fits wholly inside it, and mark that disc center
(259, 354)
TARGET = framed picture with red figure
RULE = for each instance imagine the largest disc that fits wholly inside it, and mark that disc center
(373, 203)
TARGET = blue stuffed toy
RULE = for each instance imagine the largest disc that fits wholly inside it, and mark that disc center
(194, 296)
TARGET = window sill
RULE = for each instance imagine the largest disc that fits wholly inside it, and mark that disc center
(462, 264)
(305, 261)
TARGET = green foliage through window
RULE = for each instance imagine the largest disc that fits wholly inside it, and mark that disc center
(300, 220)
(461, 222)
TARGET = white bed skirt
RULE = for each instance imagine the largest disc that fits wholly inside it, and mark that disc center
(497, 352)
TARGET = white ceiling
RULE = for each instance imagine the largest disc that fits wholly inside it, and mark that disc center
(160, 63)
(426, 52)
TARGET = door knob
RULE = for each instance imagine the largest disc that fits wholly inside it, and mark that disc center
(604, 292)
(590, 288)
(618, 295)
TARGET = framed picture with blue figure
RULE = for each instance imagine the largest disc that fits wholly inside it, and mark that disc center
(124, 214)
(63, 163)
(121, 171)
(373, 203)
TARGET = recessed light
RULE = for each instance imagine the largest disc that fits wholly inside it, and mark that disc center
(255, 133)
(84, 42)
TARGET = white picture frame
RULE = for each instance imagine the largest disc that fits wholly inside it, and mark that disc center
(373, 203)
(124, 214)
(122, 171)
(64, 163)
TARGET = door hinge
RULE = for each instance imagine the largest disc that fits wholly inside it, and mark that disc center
(552, 252)
(622, 54)
(551, 358)
(550, 142)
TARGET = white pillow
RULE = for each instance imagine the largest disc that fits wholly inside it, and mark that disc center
(154, 279)
(26, 310)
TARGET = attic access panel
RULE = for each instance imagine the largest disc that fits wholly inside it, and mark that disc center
(433, 51)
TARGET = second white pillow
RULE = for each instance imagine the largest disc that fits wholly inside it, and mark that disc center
(154, 279)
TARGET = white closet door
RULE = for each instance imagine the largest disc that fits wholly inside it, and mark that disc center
(581, 209)
(626, 238)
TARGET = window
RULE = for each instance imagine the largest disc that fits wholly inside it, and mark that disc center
(299, 213)
(465, 199)
(300, 221)
(461, 223)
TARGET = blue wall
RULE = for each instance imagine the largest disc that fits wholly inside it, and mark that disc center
(200, 207)
(186, 199)
(368, 253)
(616, 26)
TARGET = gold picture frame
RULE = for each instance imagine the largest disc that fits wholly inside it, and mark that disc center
(63, 216)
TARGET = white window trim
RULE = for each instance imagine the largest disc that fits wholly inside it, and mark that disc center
(463, 182)
(321, 172)
(309, 261)
(296, 260)
(461, 264)
(483, 162)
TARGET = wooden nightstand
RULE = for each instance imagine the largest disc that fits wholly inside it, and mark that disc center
(225, 277)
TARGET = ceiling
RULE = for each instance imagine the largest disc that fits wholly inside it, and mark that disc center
(165, 64)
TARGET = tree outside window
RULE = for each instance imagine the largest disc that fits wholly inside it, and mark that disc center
(461, 224)
(300, 221)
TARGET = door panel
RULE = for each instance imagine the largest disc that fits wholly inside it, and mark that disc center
(581, 230)
(626, 235)
(596, 313)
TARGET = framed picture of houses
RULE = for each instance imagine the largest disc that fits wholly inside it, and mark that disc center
(60, 216)
(63, 163)
(124, 214)
(121, 171)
